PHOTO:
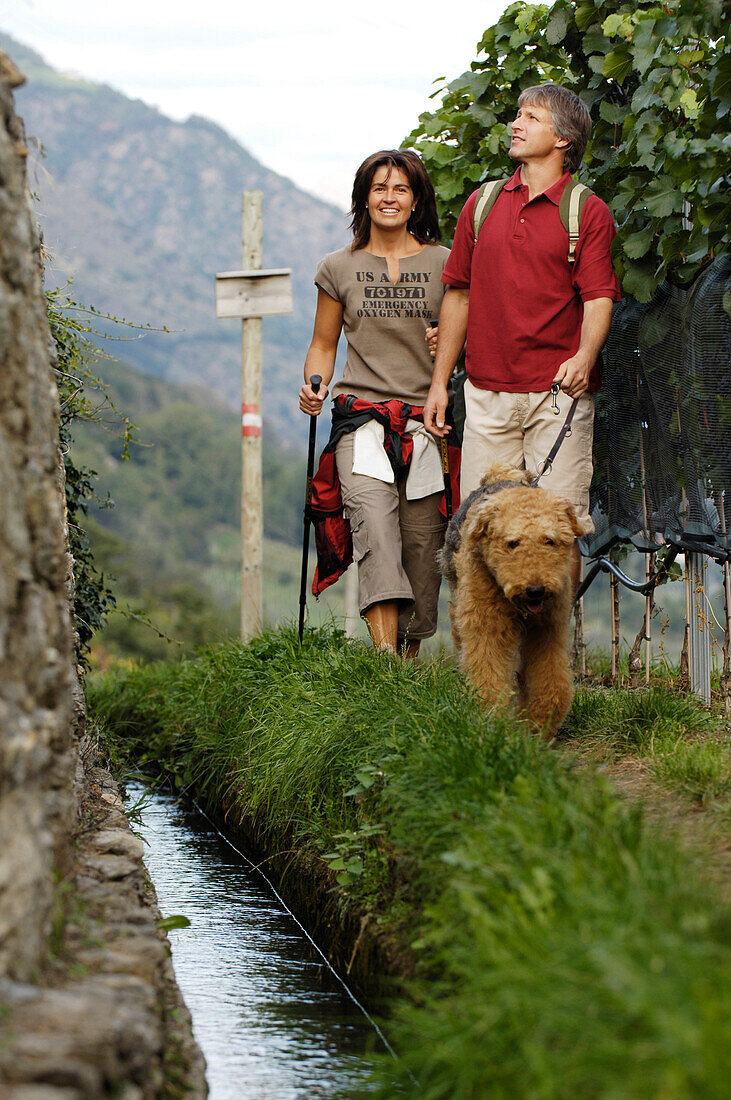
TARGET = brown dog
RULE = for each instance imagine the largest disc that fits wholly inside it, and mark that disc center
(508, 557)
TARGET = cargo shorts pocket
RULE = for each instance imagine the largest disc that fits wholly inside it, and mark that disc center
(359, 533)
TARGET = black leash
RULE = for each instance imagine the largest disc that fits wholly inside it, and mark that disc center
(444, 454)
(565, 430)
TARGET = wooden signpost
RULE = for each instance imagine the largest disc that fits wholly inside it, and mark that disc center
(251, 294)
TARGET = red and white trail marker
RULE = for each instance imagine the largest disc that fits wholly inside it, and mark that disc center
(251, 294)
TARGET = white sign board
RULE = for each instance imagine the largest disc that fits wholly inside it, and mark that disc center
(253, 293)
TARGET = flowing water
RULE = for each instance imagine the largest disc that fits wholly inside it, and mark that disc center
(272, 1022)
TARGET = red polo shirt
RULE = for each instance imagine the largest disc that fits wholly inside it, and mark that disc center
(526, 300)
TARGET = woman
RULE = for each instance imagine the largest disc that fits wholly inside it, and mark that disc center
(381, 291)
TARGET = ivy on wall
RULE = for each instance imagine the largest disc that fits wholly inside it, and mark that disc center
(657, 80)
(75, 352)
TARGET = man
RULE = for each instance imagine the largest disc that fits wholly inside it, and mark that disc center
(530, 317)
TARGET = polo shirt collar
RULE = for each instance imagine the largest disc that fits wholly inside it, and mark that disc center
(554, 192)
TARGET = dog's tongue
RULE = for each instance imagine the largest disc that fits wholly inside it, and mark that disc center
(535, 606)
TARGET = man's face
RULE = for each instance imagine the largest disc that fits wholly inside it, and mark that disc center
(533, 136)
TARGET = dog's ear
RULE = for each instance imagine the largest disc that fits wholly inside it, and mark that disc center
(478, 521)
(571, 517)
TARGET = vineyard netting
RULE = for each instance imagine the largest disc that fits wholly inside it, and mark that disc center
(662, 436)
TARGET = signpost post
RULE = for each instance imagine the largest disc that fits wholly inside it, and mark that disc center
(251, 294)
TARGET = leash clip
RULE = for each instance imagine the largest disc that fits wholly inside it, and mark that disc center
(554, 398)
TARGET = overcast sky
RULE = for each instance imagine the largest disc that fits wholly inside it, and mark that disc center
(309, 87)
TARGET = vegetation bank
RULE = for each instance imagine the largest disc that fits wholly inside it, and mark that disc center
(537, 935)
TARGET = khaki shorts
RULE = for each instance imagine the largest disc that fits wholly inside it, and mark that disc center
(395, 543)
(520, 429)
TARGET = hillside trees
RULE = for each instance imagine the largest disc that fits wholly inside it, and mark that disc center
(657, 80)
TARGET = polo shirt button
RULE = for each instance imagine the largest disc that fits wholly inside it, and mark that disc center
(522, 220)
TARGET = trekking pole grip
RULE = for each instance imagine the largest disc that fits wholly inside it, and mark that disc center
(315, 383)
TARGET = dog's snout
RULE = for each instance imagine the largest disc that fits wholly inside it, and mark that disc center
(535, 592)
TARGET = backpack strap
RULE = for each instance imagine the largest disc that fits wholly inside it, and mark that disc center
(570, 206)
(485, 201)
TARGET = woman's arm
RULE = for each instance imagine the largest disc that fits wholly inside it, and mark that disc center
(452, 332)
(322, 351)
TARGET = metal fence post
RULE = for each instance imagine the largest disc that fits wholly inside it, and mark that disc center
(698, 631)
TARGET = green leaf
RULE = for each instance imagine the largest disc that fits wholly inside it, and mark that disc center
(689, 103)
(721, 81)
(662, 197)
(557, 26)
(637, 244)
(484, 115)
(675, 144)
(450, 188)
(612, 112)
(639, 280)
(618, 24)
(480, 82)
(585, 14)
(644, 49)
(645, 96)
(617, 64)
(727, 302)
(594, 42)
(177, 920)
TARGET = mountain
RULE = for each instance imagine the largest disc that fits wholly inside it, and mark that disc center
(177, 494)
(143, 210)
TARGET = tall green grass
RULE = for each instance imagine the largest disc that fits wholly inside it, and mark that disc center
(556, 946)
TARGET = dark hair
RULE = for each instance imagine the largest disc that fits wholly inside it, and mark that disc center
(424, 221)
(570, 118)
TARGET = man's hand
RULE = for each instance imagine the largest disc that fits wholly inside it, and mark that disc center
(431, 337)
(573, 375)
(435, 410)
(310, 402)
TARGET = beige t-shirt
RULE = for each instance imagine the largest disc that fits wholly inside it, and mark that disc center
(384, 322)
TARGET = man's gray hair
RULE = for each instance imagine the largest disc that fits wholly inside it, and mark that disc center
(570, 118)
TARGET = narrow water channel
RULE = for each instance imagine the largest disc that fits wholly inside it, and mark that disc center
(272, 1022)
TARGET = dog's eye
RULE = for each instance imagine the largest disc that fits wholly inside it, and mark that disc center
(513, 543)
(550, 542)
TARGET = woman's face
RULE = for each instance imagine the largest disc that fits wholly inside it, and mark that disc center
(390, 199)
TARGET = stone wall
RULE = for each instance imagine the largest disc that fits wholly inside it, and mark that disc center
(89, 1007)
(37, 750)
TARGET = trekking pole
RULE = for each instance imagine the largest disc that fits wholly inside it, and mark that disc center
(444, 454)
(315, 381)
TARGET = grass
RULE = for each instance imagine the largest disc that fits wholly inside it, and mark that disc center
(642, 721)
(552, 942)
(702, 771)
(682, 740)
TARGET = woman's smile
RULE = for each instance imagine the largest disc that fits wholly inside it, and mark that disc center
(391, 198)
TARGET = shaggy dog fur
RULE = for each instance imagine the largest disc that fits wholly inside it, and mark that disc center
(508, 557)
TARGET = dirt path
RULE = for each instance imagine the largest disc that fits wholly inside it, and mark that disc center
(702, 829)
